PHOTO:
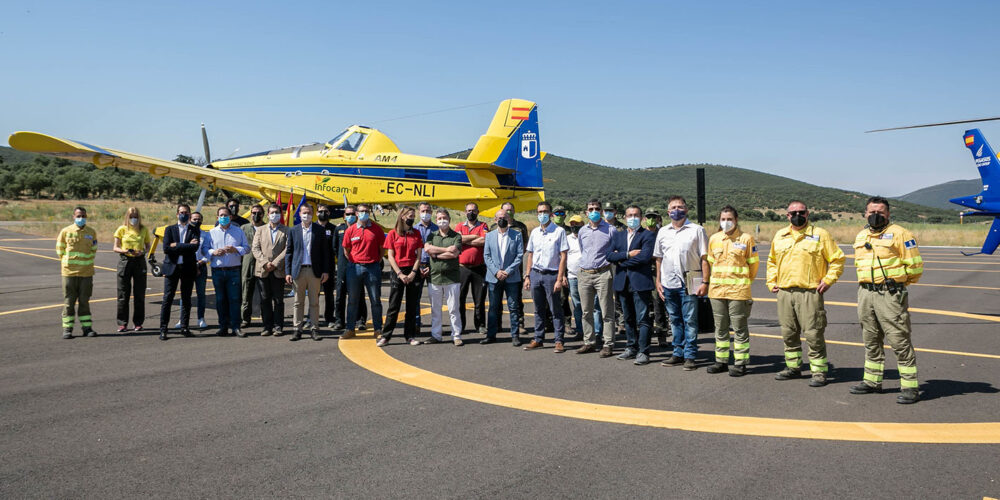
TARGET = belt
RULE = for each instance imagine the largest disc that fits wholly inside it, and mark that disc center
(797, 289)
(230, 268)
(543, 271)
(890, 286)
(599, 270)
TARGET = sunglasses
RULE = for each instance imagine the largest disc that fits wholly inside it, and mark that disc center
(559, 213)
(798, 212)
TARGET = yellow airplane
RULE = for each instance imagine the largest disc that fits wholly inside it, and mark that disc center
(359, 165)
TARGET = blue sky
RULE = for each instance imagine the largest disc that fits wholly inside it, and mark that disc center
(785, 88)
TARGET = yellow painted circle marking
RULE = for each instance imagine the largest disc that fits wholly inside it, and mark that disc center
(364, 353)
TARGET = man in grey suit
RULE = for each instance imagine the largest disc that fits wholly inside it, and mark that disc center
(269, 247)
(503, 251)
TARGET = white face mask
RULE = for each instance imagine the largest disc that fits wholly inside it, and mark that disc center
(727, 225)
(275, 218)
(443, 223)
(305, 218)
(425, 216)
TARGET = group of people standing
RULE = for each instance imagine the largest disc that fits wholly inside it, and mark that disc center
(595, 262)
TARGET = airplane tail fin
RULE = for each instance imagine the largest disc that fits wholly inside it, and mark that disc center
(986, 159)
(511, 143)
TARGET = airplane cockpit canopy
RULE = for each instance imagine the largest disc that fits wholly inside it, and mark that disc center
(348, 140)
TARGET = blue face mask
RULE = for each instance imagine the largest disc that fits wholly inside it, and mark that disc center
(609, 215)
(351, 219)
(594, 216)
(183, 218)
(363, 216)
(543, 218)
(80, 221)
(678, 214)
(223, 220)
(632, 222)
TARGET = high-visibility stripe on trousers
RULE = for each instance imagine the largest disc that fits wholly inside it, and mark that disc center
(885, 318)
(801, 313)
(735, 313)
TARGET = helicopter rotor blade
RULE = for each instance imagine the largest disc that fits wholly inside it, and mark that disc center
(934, 124)
(208, 160)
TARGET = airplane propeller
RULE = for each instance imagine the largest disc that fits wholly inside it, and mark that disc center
(208, 161)
(935, 124)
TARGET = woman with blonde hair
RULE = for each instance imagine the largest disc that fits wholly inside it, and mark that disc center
(732, 255)
(132, 241)
(404, 245)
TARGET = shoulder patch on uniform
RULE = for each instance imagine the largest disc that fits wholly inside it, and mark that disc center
(754, 249)
(910, 243)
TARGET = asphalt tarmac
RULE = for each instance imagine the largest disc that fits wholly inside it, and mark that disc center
(128, 415)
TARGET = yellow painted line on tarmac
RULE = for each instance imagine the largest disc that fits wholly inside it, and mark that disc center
(363, 352)
(983, 317)
(27, 239)
(921, 349)
(92, 301)
(922, 284)
(5, 249)
(48, 249)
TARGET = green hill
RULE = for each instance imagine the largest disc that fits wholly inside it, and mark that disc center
(938, 195)
(753, 193)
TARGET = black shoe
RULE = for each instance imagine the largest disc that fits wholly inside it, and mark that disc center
(908, 397)
(240, 334)
(245, 324)
(90, 332)
(187, 333)
(221, 332)
(717, 367)
(337, 326)
(488, 340)
(672, 361)
(315, 333)
(163, 335)
(864, 388)
(689, 365)
(516, 341)
(737, 371)
(788, 374)
(297, 336)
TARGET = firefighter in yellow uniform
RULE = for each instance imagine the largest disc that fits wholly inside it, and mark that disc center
(804, 262)
(887, 260)
(732, 255)
(76, 247)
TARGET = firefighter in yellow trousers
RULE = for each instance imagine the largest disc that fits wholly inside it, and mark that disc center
(76, 247)
(887, 260)
(732, 255)
(804, 262)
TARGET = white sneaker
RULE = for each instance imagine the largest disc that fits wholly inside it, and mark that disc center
(178, 324)
(202, 324)
(381, 342)
(415, 342)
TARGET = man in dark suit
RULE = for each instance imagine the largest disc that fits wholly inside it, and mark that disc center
(307, 264)
(632, 252)
(323, 213)
(503, 252)
(180, 243)
(340, 304)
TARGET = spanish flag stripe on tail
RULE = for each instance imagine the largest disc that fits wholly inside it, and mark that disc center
(970, 140)
(519, 113)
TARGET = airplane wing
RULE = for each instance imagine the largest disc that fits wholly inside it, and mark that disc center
(208, 178)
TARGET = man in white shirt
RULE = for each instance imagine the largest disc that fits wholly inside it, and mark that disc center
(545, 256)
(681, 268)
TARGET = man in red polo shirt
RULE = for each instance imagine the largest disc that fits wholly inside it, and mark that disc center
(363, 248)
(473, 267)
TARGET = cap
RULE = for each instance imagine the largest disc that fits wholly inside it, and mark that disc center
(610, 206)
(652, 213)
(576, 218)
(559, 208)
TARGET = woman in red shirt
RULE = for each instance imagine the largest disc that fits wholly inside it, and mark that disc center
(404, 245)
